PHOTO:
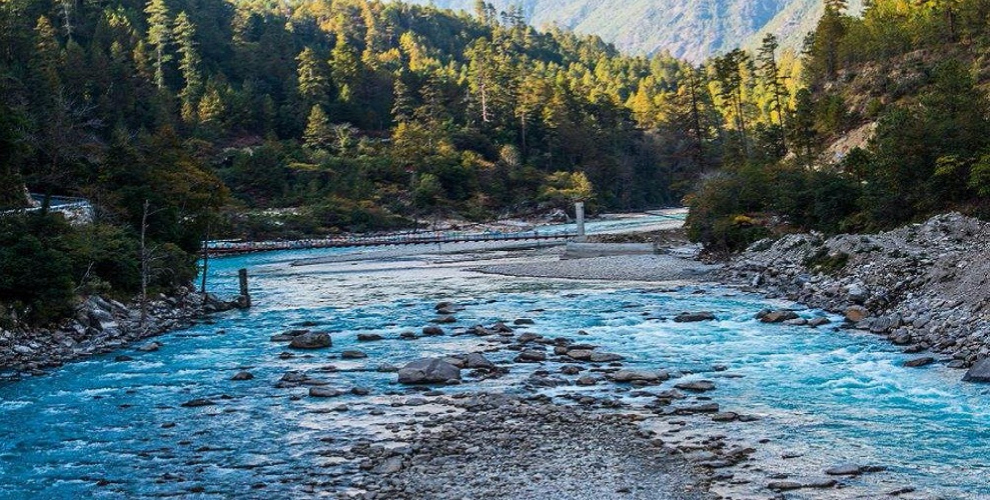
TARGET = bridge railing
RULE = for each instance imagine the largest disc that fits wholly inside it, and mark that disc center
(233, 247)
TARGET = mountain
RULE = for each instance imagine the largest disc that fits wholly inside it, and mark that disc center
(691, 29)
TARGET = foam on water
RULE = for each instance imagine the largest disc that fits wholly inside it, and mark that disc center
(836, 396)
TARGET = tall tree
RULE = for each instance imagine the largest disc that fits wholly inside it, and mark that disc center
(314, 82)
(159, 37)
(185, 38)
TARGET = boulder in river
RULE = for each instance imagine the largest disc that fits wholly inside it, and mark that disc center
(428, 371)
(980, 372)
(241, 376)
(639, 376)
(324, 392)
(531, 356)
(353, 355)
(369, 337)
(696, 386)
(919, 362)
(433, 331)
(855, 314)
(694, 317)
(605, 357)
(196, 403)
(310, 340)
(780, 316)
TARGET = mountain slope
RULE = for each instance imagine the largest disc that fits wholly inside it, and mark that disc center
(692, 29)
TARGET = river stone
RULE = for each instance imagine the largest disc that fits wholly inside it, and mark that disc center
(149, 347)
(196, 403)
(477, 361)
(980, 372)
(433, 331)
(818, 321)
(531, 356)
(855, 314)
(696, 386)
(605, 357)
(444, 320)
(353, 355)
(324, 392)
(845, 470)
(702, 408)
(580, 354)
(639, 376)
(919, 362)
(785, 485)
(389, 466)
(688, 317)
(369, 337)
(311, 341)
(240, 376)
(778, 316)
(587, 381)
(725, 417)
(523, 321)
(428, 371)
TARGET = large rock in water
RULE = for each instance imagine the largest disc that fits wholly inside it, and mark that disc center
(980, 372)
(428, 371)
(311, 341)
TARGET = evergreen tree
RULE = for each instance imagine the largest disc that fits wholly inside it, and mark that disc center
(319, 134)
(185, 34)
(159, 37)
(314, 83)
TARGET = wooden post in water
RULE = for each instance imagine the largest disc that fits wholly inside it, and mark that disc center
(244, 301)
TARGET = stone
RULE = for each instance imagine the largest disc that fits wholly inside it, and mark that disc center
(528, 337)
(688, 317)
(845, 470)
(324, 392)
(696, 386)
(477, 361)
(149, 347)
(778, 316)
(855, 314)
(433, 331)
(197, 403)
(523, 321)
(531, 356)
(389, 466)
(980, 372)
(428, 371)
(639, 376)
(725, 417)
(785, 485)
(241, 376)
(818, 321)
(23, 349)
(123, 358)
(369, 337)
(605, 357)
(856, 293)
(353, 355)
(702, 408)
(580, 354)
(587, 381)
(309, 341)
(444, 320)
(919, 362)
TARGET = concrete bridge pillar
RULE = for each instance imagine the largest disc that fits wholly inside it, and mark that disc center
(579, 215)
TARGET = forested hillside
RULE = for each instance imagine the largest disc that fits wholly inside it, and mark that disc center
(343, 115)
(916, 74)
(690, 29)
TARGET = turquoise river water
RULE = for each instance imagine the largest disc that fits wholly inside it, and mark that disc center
(105, 429)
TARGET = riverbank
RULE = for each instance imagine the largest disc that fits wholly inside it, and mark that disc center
(98, 327)
(925, 287)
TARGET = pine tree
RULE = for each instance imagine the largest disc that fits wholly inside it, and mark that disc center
(345, 69)
(319, 134)
(159, 37)
(185, 34)
(314, 84)
(770, 72)
(46, 60)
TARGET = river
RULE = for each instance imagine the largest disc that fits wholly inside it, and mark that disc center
(107, 429)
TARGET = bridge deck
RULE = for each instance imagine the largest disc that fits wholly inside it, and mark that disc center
(234, 248)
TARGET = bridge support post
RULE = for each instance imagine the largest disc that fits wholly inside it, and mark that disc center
(579, 215)
(244, 301)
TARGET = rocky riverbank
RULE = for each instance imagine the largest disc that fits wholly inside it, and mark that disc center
(99, 326)
(925, 286)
